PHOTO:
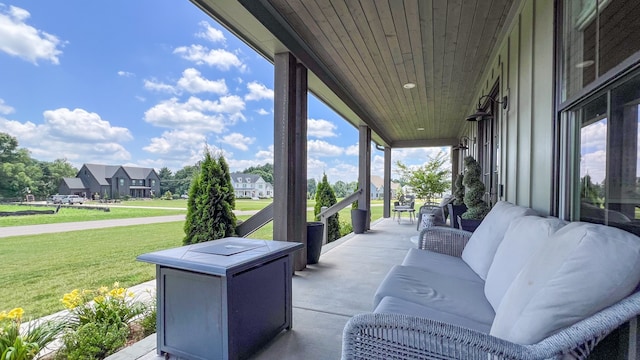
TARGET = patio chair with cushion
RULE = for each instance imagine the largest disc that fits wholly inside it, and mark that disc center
(439, 211)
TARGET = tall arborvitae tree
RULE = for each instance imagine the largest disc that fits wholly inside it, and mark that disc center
(326, 197)
(211, 200)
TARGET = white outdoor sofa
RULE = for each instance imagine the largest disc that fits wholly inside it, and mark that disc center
(520, 287)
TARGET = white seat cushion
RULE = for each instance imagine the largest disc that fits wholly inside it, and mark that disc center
(583, 269)
(523, 238)
(482, 245)
(437, 291)
(440, 263)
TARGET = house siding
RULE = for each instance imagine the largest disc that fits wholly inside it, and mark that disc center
(523, 64)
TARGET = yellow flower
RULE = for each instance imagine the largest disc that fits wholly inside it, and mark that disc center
(103, 290)
(131, 294)
(117, 293)
(116, 285)
(99, 299)
(15, 313)
(3, 315)
(72, 299)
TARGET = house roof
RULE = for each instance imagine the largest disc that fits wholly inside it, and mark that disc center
(74, 183)
(236, 176)
(137, 172)
(361, 53)
(104, 172)
(379, 182)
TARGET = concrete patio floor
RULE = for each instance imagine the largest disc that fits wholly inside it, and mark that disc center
(327, 294)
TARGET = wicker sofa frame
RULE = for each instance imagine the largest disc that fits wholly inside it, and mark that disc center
(395, 336)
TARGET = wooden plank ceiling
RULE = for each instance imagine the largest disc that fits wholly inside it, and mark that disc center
(362, 52)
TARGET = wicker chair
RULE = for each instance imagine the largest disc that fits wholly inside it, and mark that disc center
(396, 336)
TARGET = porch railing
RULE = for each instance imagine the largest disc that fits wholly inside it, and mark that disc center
(255, 222)
(325, 214)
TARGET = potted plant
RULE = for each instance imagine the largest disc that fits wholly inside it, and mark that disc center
(458, 207)
(477, 208)
(358, 218)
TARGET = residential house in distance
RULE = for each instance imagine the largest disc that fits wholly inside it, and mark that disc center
(112, 182)
(251, 186)
(377, 188)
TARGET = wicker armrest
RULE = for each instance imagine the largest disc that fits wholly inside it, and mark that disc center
(395, 336)
(444, 240)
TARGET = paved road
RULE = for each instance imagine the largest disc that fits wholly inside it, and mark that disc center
(84, 225)
(97, 224)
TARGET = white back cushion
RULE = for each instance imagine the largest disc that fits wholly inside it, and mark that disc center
(583, 269)
(523, 238)
(482, 245)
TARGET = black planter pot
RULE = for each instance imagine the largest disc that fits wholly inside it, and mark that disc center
(454, 212)
(469, 224)
(358, 220)
(314, 241)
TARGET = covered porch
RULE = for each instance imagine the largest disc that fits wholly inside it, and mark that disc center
(409, 74)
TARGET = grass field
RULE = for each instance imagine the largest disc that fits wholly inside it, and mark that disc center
(78, 213)
(38, 270)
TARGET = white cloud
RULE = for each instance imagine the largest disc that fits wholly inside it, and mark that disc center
(323, 148)
(258, 91)
(594, 164)
(176, 144)
(125, 73)
(238, 141)
(154, 85)
(594, 136)
(196, 114)
(321, 128)
(5, 109)
(266, 155)
(24, 41)
(262, 111)
(353, 150)
(77, 135)
(210, 33)
(315, 168)
(219, 58)
(341, 171)
(193, 82)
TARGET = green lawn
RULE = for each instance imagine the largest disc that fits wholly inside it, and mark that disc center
(38, 270)
(77, 213)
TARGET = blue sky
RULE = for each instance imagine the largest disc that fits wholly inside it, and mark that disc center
(149, 83)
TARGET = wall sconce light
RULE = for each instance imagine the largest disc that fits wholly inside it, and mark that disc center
(463, 145)
(480, 114)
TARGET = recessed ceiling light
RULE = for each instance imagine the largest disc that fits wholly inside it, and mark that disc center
(420, 129)
(585, 64)
(409, 85)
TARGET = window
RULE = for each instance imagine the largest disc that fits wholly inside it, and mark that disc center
(239, 179)
(121, 181)
(248, 180)
(606, 180)
(597, 35)
(153, 182)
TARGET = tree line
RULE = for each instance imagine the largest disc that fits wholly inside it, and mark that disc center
(22, 175)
